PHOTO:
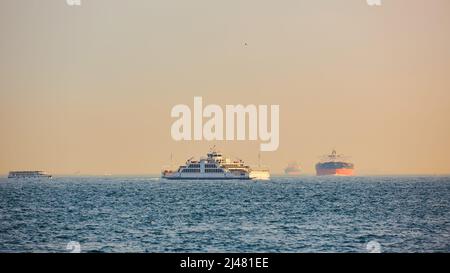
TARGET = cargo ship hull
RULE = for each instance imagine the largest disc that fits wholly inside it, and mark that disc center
(334, 164)
(337, 172)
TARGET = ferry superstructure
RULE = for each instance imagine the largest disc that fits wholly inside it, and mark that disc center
(216, 167)
(29, 174)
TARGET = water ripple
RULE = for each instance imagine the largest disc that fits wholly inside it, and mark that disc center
(307, 214)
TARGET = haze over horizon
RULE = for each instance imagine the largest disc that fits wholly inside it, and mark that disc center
(89, 89)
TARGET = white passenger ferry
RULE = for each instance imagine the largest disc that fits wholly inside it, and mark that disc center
(29, 174)
(216, 166)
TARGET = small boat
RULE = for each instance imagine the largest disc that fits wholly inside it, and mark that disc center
(29, 174)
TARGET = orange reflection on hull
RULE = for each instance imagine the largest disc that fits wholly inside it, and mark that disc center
(343, 172)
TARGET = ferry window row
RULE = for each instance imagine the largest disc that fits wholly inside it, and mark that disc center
(191, 170)
(213, 171)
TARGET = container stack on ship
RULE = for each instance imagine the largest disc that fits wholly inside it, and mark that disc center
(335, 164)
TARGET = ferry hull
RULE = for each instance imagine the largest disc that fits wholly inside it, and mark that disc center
(187, 176)
(206, 178)
(253, 175)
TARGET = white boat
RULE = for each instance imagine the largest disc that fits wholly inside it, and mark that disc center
(216, 166)
(259, 174)
(29, 174)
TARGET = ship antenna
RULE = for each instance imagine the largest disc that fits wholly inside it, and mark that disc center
(213, 148)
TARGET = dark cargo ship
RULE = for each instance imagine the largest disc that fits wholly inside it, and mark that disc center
(334, 164)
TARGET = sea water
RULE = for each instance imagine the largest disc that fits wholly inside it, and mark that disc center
(304, 214)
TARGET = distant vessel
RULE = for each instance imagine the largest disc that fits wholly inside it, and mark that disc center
(293, 168)
(216, 166)
(29, 174)
(334, 164)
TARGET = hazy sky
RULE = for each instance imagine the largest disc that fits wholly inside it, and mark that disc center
(89, 89)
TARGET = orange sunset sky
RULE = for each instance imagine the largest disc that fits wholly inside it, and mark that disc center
(89, 89)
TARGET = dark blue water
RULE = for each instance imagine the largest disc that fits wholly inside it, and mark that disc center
(307, 214)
